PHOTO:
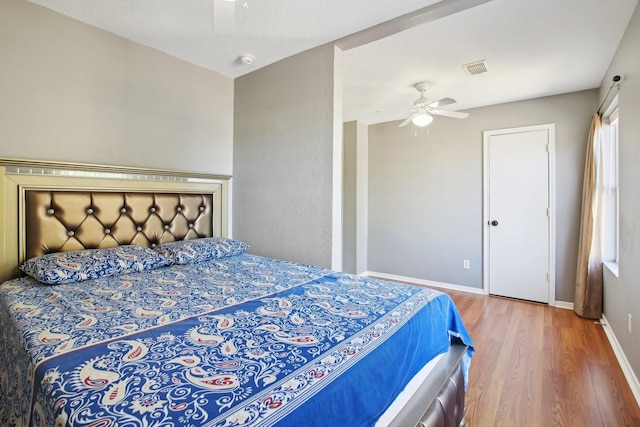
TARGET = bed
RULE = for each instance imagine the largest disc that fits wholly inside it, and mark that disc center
(132, 308)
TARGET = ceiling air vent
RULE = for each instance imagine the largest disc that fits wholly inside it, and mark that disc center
(476, 68)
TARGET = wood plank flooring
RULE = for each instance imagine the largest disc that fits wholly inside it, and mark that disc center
(541, 366)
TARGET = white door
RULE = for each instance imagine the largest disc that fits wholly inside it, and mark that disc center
(518, 227)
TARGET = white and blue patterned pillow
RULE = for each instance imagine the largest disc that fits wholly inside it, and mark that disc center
(76, 266)
(198, 250)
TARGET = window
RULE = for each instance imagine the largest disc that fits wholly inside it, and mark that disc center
(610, 128)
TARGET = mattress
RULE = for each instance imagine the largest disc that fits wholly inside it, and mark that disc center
(234, 341)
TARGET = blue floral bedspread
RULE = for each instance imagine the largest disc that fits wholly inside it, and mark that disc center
(238, 341)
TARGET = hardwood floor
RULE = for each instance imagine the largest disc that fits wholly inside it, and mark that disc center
(541, 366)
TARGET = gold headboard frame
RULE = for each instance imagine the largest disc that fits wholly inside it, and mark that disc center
(128, 187)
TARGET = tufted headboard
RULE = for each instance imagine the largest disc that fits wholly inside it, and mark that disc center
(60, 221)
(51, 207)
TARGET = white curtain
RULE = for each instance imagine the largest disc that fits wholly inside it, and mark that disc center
(588, 292)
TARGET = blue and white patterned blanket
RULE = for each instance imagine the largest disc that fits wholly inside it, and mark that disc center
(238, 341)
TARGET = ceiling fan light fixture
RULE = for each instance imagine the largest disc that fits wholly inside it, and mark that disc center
(424, 110)
(422, 120)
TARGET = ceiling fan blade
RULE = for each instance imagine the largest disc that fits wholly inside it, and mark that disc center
(453, 114)
(442, 102)
(406, 122)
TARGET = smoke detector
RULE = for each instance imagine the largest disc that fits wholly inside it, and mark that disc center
(246, 59)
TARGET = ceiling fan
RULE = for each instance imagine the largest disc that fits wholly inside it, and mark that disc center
(424, 110)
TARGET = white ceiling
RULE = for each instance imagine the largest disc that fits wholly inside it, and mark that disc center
(533, 47)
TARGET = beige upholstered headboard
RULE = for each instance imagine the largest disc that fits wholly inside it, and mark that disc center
(60, 207)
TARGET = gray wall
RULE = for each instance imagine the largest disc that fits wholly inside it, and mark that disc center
(622, 294)
(349, 193)
(71, 92)
(354, 195)
(425, 189)
(283, 158)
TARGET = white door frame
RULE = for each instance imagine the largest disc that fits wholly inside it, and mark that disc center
(550, 128)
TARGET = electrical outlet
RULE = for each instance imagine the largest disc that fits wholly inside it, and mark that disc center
(629, 323)
(465, 264)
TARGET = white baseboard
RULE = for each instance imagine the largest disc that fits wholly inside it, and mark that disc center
(559, 304)
(631, 377)
(564, 304)
(422, 282)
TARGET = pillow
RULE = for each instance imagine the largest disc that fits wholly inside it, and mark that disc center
(76, 266)
(198, 250)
